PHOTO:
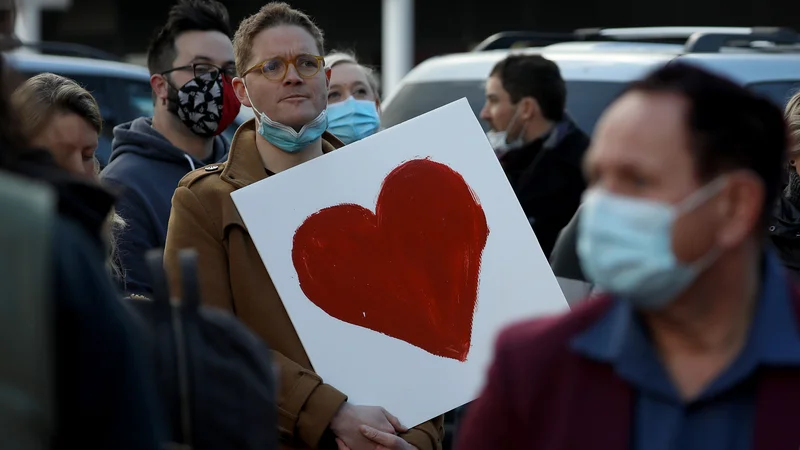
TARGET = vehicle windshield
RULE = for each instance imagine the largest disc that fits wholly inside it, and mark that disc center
(778, 91)
(586, 100)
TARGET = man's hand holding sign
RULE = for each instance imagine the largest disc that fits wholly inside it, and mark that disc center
(362, 427)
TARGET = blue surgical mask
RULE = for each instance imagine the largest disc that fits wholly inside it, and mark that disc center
(625, 246)
(353, 120)
(285, 137)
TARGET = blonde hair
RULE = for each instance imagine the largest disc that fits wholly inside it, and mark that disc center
(271, 15)
(792, 114)
(113, 225)
(43, 95)
(346, 57)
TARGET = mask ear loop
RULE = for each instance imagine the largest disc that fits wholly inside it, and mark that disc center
(252, 105)
(701, 195)
(513, 121)
(691, 202)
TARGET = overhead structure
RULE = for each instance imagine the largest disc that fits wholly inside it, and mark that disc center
(397, 41)
(29, 17)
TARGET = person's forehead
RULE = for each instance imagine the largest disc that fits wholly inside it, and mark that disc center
(643, 129)
(348, 74)
(494, 86)
(197, 45)
(283, 40)
(72, 128)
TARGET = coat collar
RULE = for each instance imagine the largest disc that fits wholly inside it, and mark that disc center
(244, 166)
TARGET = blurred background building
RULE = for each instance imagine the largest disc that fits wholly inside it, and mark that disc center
(124, 27)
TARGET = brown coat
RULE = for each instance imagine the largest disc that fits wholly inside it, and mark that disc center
(234, 278)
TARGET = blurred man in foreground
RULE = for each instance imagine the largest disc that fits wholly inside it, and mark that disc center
(696, 346)
(539, 147)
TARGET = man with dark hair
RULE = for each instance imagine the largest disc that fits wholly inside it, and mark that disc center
(695, 346)
(283, 78)
(191, 65)
(539, 147)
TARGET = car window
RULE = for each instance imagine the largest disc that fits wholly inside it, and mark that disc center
(418, 98)
(139, 95)
(778, 91)
(586, 100)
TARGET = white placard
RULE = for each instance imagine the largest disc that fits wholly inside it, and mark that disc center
(372, 368)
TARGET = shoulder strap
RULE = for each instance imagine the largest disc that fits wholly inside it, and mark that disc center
(190, 285)
(175, 311)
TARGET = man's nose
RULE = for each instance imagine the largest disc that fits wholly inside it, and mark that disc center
(485, 114)
(292, 77)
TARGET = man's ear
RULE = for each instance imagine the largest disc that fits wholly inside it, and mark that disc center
(160, 87)
(328, 77)
(742, 208)
(530, 108)
(241, 92)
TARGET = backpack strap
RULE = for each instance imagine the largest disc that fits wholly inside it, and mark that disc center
(155, 262)
(189, 282)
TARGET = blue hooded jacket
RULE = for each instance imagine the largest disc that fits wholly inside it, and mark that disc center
(144, 171)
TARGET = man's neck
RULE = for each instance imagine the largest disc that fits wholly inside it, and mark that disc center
(704, 330)
(538, 129)
(181, 137)
(276, 160)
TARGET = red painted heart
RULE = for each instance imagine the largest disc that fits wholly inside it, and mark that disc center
(411, 269)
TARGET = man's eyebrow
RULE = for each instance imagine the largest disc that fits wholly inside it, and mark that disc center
(207, 59)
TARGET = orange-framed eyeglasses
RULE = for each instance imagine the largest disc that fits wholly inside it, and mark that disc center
(275, 69)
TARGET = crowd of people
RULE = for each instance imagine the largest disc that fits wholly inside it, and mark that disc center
(683, 210)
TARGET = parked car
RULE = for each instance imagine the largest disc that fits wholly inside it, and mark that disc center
(598, 64)
(122, 90)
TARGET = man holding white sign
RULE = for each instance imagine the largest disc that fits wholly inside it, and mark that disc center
(282, 78)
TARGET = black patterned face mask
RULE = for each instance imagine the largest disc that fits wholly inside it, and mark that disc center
(206, 104)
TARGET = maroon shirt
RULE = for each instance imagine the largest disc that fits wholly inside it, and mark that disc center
(540, 394)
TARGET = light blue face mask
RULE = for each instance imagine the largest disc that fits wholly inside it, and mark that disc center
(285, 137)
(499, 139)
(625, 246)
(353, 120)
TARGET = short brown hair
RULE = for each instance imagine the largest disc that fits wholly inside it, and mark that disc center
(537, 77)
(42, 95)
(271, 15)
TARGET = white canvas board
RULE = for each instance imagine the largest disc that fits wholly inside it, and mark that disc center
(371, 368)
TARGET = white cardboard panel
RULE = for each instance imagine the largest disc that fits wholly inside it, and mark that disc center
(372, 368)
